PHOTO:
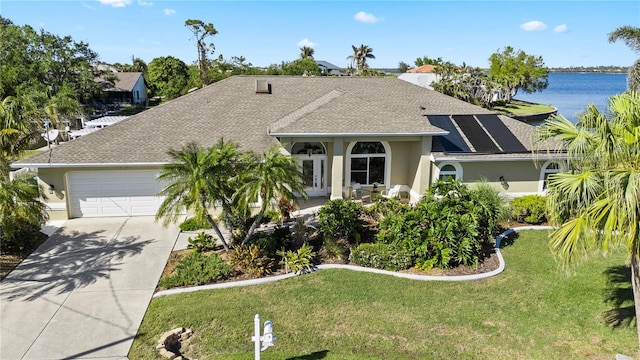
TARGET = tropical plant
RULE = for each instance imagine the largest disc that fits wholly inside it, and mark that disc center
(269, 178)
(21, 211)
(360, 56)
(631, 37)
(596, 202)
(334, 249)
(252, 260)
(516, 70)
(190, 224)
(196, 180)
(202, 242)
(529, 208)
(306, 52)
(341, 219)
(197, 268)
(299, 261)
(381, 256)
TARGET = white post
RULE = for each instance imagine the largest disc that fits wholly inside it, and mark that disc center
(256, 337)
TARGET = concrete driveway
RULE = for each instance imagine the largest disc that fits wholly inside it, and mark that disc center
(84, 292)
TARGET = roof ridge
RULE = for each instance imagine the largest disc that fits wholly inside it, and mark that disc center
(305, 109)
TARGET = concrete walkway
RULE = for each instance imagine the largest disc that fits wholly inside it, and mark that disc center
(84, 292)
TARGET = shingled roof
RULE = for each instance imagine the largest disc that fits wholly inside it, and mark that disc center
(232, 109)
(125, 81)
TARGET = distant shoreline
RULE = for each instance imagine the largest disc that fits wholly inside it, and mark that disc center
(586, 70)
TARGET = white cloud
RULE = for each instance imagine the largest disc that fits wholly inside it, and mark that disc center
(306, 42)
(145, 3)
(533, 26)
(366, 17)
(115, 3)
(169, 12)
(561, 28)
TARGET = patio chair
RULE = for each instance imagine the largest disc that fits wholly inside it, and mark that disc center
(393, 192)
(359, 194)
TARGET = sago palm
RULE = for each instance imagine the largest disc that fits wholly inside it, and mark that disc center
(596, 203)
(269, 178)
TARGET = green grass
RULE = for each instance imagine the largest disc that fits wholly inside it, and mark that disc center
(519, 107)
(532, 310)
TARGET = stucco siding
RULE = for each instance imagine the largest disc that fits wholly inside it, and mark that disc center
(402, 163)
(520, 176)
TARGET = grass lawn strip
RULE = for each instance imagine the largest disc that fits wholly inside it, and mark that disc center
(533, 310)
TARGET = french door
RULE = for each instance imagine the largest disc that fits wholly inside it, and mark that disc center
(314, 174)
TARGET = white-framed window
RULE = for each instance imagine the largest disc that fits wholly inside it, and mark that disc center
(449, 171)
(368, 162)
(548, 168)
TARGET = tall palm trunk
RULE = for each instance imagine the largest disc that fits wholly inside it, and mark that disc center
(214, 226)
(254, 225)
(635, 281)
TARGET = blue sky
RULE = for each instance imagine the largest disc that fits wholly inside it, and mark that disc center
(565, 33)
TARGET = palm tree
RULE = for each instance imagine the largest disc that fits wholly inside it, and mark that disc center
(355, 57)
(19, 204)
(306, 52)
(271, 177)
(365, 52)
(198, 178)
(596, 203)
(360, 56)
(631, 37)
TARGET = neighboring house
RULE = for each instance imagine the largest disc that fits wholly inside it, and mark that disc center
(422, 76)
(329, 68)
(129, 88)
(343, 130)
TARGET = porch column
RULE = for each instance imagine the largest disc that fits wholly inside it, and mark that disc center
(423, 175)
(337, 169)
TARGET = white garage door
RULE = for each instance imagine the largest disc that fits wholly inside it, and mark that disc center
(113, 193)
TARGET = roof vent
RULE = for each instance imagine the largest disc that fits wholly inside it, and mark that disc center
(263, 87)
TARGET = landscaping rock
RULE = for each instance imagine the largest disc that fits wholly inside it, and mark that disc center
(170, 343)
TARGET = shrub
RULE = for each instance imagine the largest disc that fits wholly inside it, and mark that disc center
(252, 260)
(455, 234)
(271, 242)
(300, 261)
(202, 242)
(192, 224)
(197, 269)
(341, 219)
(335, 249)
(23, 240)
(490, 205)
(271, 216)
(529, 208)
(381, 256)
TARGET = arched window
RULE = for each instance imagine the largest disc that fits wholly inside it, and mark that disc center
(368, 163)
(450, 171)
(550, 167)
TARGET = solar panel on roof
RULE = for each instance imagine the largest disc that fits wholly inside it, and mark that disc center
(501, 133)
(452, 142)
(476, 134)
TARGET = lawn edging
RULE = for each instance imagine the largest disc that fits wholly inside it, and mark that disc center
(265, 280)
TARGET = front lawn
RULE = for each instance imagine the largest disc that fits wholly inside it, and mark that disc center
(530, 311)
(520, 107)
